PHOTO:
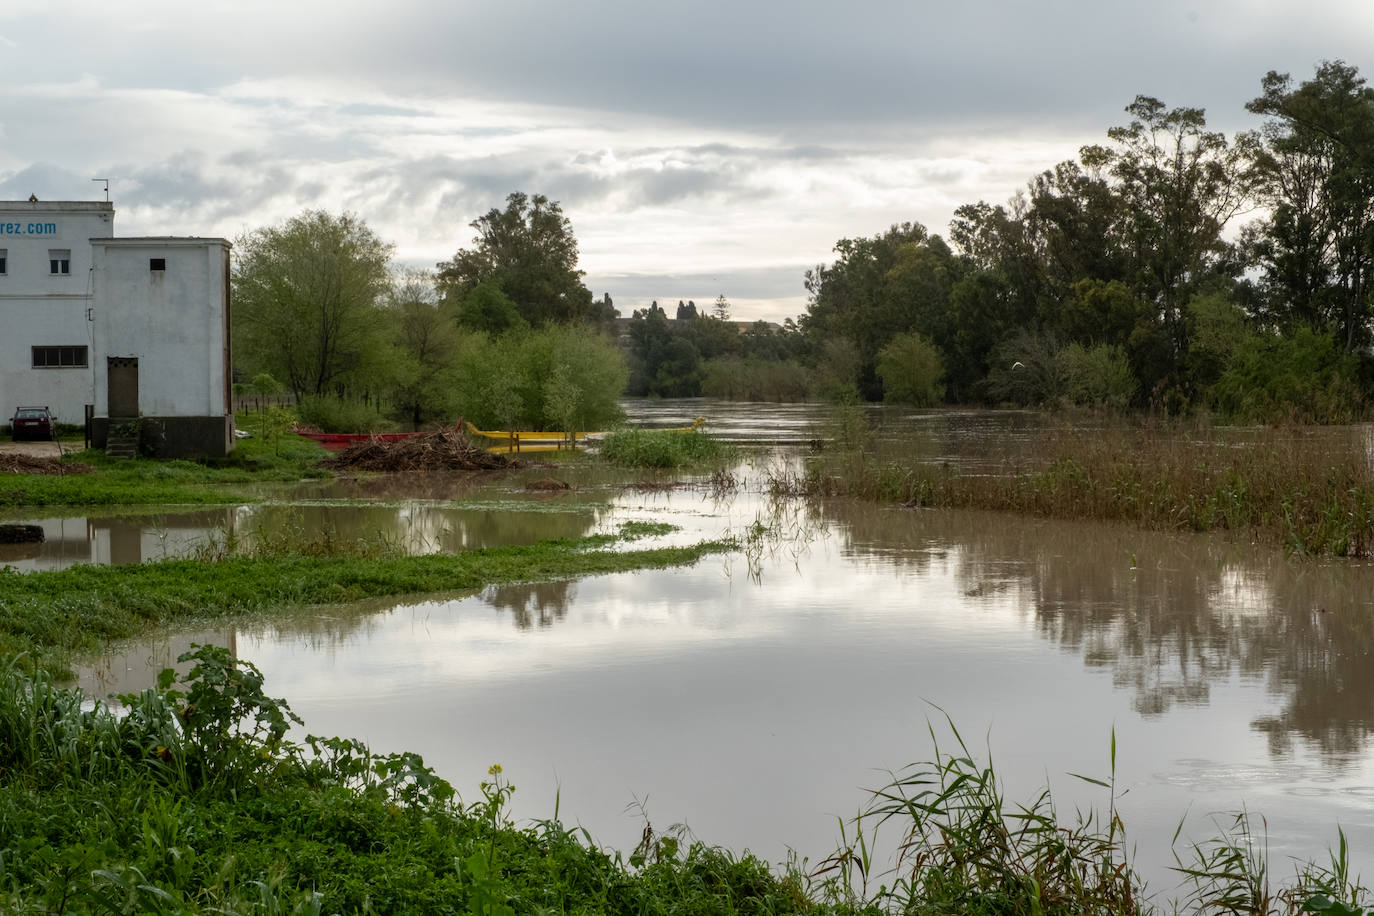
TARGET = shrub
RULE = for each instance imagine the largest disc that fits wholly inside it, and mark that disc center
(661, 448)
(912, 371)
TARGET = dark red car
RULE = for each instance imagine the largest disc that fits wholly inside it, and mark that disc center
(33, 423)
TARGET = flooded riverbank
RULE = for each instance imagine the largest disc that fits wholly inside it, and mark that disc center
(754, 696)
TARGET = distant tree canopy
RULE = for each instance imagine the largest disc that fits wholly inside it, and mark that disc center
(363, 347)
(527, 253)
(1113, 280)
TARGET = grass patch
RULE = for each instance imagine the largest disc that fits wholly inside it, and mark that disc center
(51, 617)
(658, 448)
(1280, 490)
(194, 801)
(141, 481)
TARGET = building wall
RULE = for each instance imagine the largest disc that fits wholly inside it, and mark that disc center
(38, 308)
(175, 322)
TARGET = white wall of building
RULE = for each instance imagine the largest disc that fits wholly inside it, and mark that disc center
(173, 321)
(41, 309)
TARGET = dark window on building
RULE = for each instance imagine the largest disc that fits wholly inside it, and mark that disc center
(59, 357)
(4, 261)
(157, 263)
(59, 261)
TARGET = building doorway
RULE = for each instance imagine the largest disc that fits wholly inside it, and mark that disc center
(122, 380)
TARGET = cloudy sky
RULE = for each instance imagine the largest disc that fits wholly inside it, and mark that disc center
(699, 148)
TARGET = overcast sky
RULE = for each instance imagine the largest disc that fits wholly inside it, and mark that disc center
(699, 148)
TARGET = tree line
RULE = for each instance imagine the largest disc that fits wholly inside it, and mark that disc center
(1111, 279)
(504, 334)
(1116, 279)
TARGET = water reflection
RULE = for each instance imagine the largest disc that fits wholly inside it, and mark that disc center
(1168, 616)
(540, 604)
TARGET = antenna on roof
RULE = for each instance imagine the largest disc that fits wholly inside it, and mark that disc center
(107, 187)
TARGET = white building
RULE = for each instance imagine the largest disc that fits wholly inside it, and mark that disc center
(136, 328)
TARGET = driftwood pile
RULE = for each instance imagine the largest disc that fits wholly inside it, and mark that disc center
(14, 463)
(444, 450)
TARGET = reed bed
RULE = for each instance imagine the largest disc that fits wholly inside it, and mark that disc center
(1280, 488)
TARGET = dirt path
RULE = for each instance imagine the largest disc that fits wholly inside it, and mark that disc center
(34, 449)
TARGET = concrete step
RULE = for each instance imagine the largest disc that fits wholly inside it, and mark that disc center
(121, 447)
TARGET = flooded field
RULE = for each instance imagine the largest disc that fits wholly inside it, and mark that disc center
(754, 696)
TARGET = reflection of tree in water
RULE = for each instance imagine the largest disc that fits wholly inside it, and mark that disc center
(540, 604)
(1193, 611)
(417, 527)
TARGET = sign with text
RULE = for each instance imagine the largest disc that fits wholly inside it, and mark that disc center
(35, 230)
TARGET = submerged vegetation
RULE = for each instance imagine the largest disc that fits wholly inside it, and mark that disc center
(1279, 489)
(663, 448)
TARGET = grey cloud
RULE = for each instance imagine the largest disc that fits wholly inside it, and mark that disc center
(799, 69)
(742, 283)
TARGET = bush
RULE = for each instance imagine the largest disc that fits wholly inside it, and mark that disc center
(568, 379)
(736, 379)
(912, 371)
(1097, 376)
(1305, 377)
(342, 415)
(661, 448)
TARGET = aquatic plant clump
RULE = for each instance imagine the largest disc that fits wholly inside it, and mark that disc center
(662, 448)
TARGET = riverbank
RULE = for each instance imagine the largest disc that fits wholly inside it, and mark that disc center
(50, 617)
(1277, 489)
(106, 481)
(195, 798)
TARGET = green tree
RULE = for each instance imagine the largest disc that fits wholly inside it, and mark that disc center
(426, 342)
(1180, 184)
(912, 371)
(1316, 166)
(306, 297)
(528, 251)
(721, 309)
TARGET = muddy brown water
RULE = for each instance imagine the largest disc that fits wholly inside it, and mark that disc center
(755, 696)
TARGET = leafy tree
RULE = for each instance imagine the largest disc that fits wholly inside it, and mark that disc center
(912, 371)
(306, 297)
(722, 308)
(427, 347)
(487, 308)
(529, 253)
(686, 311)
(1180, 184)
(891, 284)
(1316, 167)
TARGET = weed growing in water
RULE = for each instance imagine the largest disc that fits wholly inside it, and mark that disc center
(666, 449)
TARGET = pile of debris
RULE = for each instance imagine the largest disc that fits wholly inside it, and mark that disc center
(444, 450)
(15, 463)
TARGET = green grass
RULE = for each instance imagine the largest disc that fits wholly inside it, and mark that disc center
(652, 448)
(141, 481)
(52, 616)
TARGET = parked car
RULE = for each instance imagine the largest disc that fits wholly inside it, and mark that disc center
(33, 423)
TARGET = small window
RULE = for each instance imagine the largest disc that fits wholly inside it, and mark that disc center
(59, 261)
(4, 261)
(157, 263)
(59, 357)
